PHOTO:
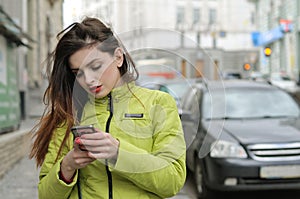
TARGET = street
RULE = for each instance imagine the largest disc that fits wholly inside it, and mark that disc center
(232, 67)
(190, 190)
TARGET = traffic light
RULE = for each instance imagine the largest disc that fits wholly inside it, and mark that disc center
(267, 51)
(247, 67)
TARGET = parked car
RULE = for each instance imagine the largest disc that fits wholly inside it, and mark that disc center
(282, 80)
(241, 135)
(258, 76)
(231, 75)
(175, 87)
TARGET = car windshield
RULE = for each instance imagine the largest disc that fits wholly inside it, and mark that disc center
(177, 90)
(248, 103)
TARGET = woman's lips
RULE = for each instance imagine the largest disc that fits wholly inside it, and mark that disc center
(95, 89)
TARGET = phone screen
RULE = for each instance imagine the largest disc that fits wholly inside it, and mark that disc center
(80, 130)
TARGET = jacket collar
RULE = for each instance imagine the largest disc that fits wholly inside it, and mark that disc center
(119, 93)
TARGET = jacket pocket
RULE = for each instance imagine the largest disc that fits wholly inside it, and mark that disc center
(135, 124)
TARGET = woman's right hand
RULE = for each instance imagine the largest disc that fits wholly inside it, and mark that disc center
(75, 159)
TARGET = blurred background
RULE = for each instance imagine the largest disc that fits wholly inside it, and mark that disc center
(188, 38)
(168, 39)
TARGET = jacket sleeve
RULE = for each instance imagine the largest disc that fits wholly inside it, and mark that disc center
(163, 171)
(50, 186)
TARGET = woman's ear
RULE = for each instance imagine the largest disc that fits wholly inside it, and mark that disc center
(118, 56)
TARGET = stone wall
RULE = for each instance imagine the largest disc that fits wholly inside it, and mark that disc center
(13, 147)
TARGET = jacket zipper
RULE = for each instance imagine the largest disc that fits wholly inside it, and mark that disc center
(109, 177)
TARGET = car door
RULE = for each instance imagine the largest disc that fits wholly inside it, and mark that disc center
(191, 117)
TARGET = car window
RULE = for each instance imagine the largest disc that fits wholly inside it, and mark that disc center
(164, 89)
(191, 103)
(195, 104)
(177, 89)
(188, 99)
(249, 103)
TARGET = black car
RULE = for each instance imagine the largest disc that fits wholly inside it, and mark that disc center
(241, 135)
(175, 87)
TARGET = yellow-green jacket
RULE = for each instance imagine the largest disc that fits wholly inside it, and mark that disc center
(151, 159)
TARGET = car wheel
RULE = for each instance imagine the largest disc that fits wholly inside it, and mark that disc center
(203, 191)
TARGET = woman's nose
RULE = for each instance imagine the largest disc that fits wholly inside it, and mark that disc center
(89, 78)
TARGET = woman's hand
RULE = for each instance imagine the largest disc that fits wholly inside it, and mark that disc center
(75, 159)
(101, 145)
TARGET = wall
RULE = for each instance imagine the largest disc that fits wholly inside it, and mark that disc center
(13, 147)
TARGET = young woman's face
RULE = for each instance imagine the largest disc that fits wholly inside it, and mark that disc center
(97, 72)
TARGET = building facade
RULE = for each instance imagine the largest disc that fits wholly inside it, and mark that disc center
(45, 19)
(202, 37)
(278, 25)
(11, 46)
(37, 22)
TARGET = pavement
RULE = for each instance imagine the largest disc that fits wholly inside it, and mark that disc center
(20, 182)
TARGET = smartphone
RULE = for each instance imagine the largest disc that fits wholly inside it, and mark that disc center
(80, 130)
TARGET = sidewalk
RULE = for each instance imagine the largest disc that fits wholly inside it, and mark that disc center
(21, 181)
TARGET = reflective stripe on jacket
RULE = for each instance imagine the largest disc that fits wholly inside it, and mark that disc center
(151, 158)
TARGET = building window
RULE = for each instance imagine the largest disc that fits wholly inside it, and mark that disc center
(180, 15)
(212, 16)
(252, 18)
(196, 16)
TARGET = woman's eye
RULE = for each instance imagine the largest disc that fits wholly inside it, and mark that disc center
(94, 68)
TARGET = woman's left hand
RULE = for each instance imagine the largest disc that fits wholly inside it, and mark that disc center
(101, 145)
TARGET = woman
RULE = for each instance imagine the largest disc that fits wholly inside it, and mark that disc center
(137, 149)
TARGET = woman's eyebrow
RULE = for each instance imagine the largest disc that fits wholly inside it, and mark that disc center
(88, 64)
(97, 60)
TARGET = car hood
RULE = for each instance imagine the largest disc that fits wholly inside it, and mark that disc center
(284, 84)
(252, 131)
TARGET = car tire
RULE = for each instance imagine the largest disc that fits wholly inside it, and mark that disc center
(203, 192)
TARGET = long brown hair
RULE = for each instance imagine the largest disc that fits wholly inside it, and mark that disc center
(63, 105)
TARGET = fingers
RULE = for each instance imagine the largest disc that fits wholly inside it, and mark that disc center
(78, 146)
(82, 162)
(97, 140)
(98, 155)
(95, 136)
(76, 159)
(100, 145)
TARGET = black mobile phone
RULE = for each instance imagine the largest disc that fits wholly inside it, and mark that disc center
(80, 130)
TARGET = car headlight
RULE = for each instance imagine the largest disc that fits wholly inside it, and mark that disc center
(225, 149)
